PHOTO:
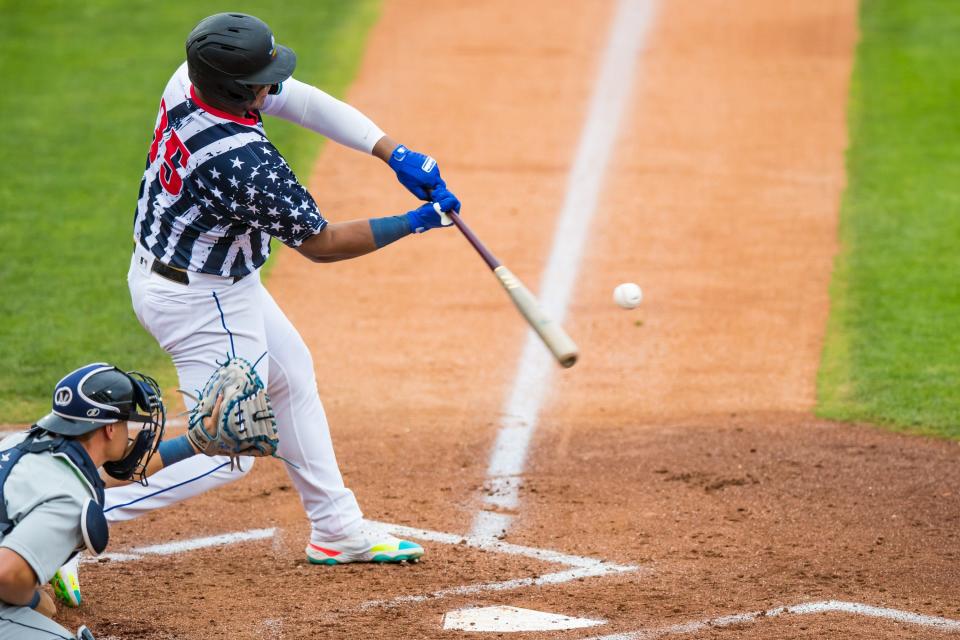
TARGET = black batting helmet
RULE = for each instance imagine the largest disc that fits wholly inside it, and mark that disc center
(228, 52)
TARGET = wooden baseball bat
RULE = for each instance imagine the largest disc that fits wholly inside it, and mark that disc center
(552, 334)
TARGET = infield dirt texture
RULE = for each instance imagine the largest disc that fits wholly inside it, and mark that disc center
(683, 443)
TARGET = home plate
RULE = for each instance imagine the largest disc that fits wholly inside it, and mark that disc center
(500, 619)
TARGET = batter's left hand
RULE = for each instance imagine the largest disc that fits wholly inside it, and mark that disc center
(418, 173)
(445, 198)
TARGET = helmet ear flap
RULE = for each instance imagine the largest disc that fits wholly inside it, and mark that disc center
(216, 87)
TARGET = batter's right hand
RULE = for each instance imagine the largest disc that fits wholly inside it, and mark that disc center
(432, 214)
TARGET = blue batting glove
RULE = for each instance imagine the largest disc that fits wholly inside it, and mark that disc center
(430, 216)
(417, 172)
(445, 197)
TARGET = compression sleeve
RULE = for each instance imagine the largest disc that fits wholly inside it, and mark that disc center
(310, 107)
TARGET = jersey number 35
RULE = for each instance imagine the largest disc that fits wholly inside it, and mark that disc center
(175, 154)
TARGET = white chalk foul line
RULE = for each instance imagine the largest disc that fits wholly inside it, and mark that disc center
(583, 567)
(580, 566)
(191, 544)
(558, 577)
(488, 544)
(628, 33)
(593, 565)
(825, 606)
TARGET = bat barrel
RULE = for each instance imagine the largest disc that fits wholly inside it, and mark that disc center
(551, 333)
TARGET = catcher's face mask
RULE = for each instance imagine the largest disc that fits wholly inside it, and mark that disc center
(146, 412)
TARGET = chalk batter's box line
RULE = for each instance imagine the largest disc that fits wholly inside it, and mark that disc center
(824, 606)
(183, 546)
(582, 567)
(577, 566)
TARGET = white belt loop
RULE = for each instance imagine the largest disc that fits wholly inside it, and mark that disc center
(143, 258)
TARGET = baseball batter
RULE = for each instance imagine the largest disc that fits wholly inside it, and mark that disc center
(52, 492)
(214, 193)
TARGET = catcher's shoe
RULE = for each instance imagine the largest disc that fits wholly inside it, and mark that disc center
(364, 546)
(84, 633)
(66, 583)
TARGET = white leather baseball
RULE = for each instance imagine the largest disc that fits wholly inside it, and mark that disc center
(627, 295)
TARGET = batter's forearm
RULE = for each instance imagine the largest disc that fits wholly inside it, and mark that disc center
(345, 240)
(384, 148)
(340, 241)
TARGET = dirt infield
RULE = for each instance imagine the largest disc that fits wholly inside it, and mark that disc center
(681, 446)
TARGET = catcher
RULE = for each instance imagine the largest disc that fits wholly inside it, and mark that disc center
(110, 421)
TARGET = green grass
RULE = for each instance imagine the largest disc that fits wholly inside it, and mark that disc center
(82, 82)
(892, 354)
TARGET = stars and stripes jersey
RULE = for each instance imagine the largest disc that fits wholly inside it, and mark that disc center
(215, 189)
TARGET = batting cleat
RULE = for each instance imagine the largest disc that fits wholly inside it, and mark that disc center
(364, 547)
(66, 583)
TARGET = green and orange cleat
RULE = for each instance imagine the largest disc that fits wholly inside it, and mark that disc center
(66, 583)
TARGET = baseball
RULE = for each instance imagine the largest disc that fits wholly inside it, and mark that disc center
(627, 295)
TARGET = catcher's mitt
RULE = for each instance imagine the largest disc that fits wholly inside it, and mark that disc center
(246, 424)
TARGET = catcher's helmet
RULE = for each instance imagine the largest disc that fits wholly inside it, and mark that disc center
(228, 52)
(100, 394)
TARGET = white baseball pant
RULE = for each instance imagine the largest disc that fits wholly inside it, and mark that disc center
(201, 323)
